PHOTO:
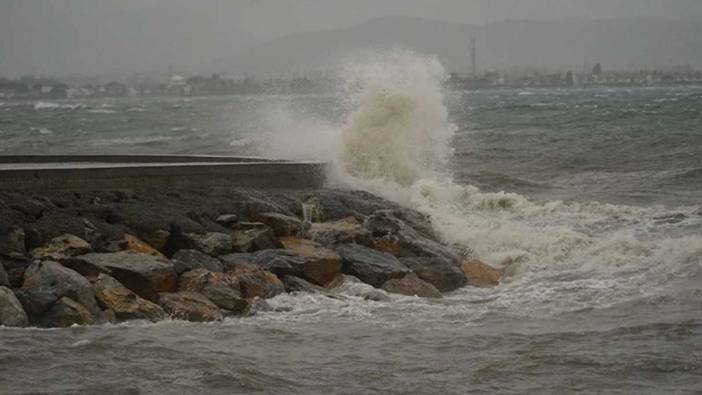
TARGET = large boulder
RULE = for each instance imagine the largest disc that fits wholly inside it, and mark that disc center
(190, 306)
(282, 225)
(211, 243)
(481, 275)
(11, 311)
(411, 241)
(344, 231)
(254, 237)
(255, 281)
(125, 304)
(47, 282)
(137, 245)
(12, 242)
(185, 260)
(445, 276)
(371, 266)
(14, 268)
(222, 289)
(62, 247)
(411, 285)
(144, 274)
(157, 238)
(296, 284)
(66, 312)
(320, 265)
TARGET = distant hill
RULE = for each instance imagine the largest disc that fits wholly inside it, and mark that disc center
(553, 44)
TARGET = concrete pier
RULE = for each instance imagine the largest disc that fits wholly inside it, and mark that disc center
(93, 172)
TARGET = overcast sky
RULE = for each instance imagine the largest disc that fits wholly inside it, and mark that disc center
(98, 36)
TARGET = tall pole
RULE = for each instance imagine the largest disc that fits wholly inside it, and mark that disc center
(473, 58)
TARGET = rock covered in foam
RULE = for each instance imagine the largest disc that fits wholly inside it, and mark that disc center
(481, 275)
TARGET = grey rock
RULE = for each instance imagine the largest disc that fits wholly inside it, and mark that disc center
(444, 275)
(190, 306)
(221, 288)
(211, 243)
(370, 266)
(11, 311)
(47, 282)
(4, 278)
(227, 220)
(66, 312)
(296, 284)
(185, 260)
(282, 225)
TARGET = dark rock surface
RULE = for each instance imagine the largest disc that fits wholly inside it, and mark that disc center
(221, 288)
(66, 312)
(185, 260)
(190, 306)
(282, 225)
(47, 282)
(11, 311)
(4, 278)
(125, 304)
(445, 276)
(143, 274)
(371, 266)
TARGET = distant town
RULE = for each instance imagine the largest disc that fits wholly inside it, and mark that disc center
(171, 84)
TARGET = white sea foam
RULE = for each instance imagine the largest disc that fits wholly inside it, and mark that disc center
(42, 105)
(395, 142)
(101, 111)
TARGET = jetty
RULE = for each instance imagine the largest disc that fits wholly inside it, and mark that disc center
(94, 172)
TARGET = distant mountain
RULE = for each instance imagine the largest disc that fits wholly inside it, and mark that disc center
(502, 45)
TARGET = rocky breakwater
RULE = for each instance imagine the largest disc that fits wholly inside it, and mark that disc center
(83, 258)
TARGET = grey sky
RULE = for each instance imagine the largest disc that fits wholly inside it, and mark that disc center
(98, 36)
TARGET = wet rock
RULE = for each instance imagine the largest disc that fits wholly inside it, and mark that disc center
(227, 220)
(320, 265)
(66, 312)
(190, 306)
(11, 311)
(4, 278)
(257, 305)
(412, 242)
(211, 243)
(254, 239)
(282, 225)
(344, 231)
(15, 269)
(220, 288)
(438, 272)
(185, 260)
(157, 238)
(12, 243)
(478, 274)
(47, 282)
(296, 284)
(255, 281)
(411, 285)
(125, 304)
(136, 245)
(143, 274)
(371, 266)
(62, 247)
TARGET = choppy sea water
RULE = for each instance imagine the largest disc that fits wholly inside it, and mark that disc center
(589, 198)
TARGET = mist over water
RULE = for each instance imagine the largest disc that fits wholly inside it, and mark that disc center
(601, 294)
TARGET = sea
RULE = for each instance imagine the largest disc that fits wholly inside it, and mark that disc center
(590, 199)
